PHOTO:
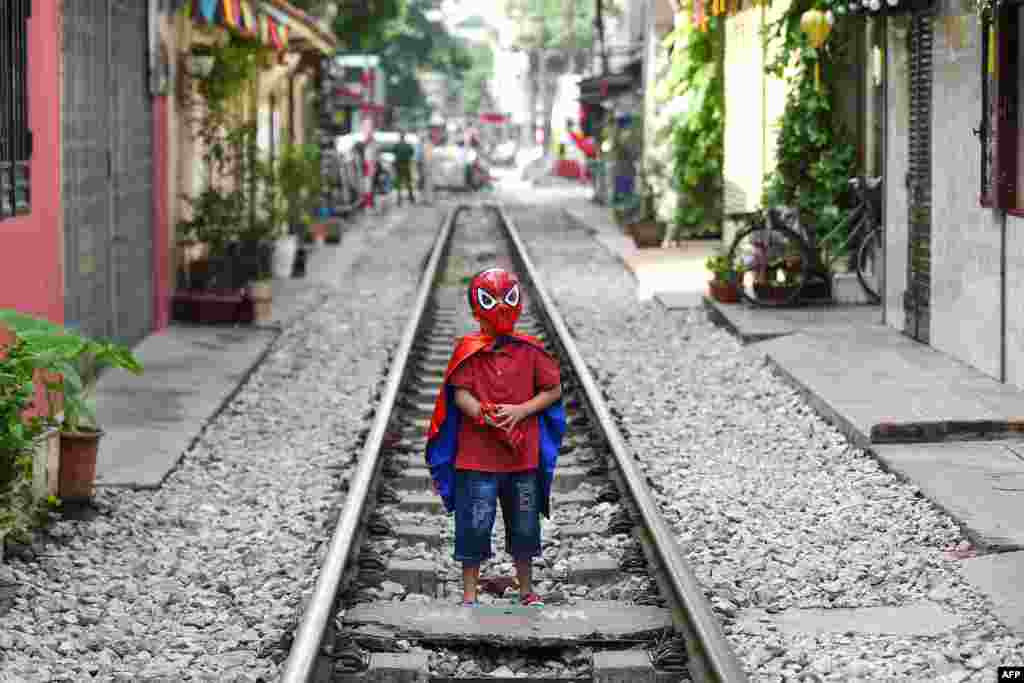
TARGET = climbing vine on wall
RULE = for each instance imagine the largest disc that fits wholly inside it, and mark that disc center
(695, 88)
(814, 156)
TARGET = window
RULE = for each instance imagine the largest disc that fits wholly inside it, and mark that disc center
(15, 137)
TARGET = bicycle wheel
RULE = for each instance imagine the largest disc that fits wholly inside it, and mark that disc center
(773, 263)
(869, 265)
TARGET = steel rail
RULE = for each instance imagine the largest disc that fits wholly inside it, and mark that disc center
(717, 660)
(303, 655)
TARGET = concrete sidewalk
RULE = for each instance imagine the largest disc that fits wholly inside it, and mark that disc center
(952, 431)
(677, 272)
(191, 371)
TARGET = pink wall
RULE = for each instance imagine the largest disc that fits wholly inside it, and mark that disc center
(31, 247)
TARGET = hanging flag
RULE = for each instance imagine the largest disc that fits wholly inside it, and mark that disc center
(249, 27)
(699, 17)
(229, 13)
(207, 11)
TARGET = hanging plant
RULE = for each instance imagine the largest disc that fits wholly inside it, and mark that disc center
(695, 91)
(814, 161)
(237, 63)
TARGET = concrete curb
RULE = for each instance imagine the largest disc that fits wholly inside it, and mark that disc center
(716, 315)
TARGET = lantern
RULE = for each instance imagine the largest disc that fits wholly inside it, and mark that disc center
(816, 26)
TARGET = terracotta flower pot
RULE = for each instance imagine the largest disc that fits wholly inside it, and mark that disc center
(77, 472)
(724, 292)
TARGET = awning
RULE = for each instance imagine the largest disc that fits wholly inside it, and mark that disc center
(275, 23)
(598, 89)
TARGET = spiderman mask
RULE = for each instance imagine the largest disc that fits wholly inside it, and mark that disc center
(494, 298)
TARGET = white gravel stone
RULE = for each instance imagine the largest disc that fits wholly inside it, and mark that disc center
(202, 579)
(775, 508)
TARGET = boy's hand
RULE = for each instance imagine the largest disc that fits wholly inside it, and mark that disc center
(509, 415)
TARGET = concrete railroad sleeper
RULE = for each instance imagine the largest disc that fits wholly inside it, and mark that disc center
(351, 630)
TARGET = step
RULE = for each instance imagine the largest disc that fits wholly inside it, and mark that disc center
(426, 501)
(430, 502)
(623, 666)
(411, 534)
(583, 530)
(413, 479)
(593, 571)
(417, 576)
(510, 625)
(432, 369)
(568, 479)
(393, 667)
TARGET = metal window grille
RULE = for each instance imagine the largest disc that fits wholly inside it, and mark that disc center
(15, 137)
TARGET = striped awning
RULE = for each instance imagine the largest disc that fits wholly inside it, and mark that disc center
(275, 23)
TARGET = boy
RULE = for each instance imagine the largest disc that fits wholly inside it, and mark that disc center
(495, 434)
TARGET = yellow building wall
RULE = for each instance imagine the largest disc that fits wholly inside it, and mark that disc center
(754, 102)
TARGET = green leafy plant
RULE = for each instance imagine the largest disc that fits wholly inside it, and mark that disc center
(695, 86)
(814, 159)
(78, 360)
(237, 63)
(721, 268)
(20, 510)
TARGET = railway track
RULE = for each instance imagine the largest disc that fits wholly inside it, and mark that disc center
(622, 605)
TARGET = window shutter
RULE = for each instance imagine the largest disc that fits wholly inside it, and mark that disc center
(1005, 154)
(15, 136)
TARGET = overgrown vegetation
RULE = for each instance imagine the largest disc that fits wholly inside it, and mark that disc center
(695, 91)
(814, 157)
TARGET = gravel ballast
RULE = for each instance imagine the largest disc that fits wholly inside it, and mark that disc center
(203, 579)
(776, 509)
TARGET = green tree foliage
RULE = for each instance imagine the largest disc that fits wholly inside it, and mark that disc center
(554, 23)
(478, 75)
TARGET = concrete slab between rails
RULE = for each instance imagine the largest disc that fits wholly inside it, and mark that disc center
(191, 372)
(1001, 578)
(918, 619)
(511, 625)
(751, 324)
(980, 484)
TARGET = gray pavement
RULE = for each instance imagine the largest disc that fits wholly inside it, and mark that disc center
(752, 324)
(191, 372)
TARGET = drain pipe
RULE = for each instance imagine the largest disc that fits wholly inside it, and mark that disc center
(885, 167)
(1002, 296)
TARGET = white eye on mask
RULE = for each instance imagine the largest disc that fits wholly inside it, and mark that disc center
(512, 298)
(486, 301)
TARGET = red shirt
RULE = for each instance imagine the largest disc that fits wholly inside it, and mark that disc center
(515, 373)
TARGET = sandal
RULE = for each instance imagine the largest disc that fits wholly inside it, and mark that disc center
(531, 600)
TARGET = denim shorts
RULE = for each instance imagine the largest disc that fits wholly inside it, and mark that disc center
(476, 497)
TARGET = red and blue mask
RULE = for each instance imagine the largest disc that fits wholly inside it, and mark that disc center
(495, 299)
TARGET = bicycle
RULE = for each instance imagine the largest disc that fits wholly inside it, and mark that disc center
(779, 265)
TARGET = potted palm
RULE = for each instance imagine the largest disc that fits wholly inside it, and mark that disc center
(724, 286)
(79, 362)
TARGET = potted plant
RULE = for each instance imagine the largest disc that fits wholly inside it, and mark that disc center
(724, 286)
(293, 179)
(79, 361)
(23, 484)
